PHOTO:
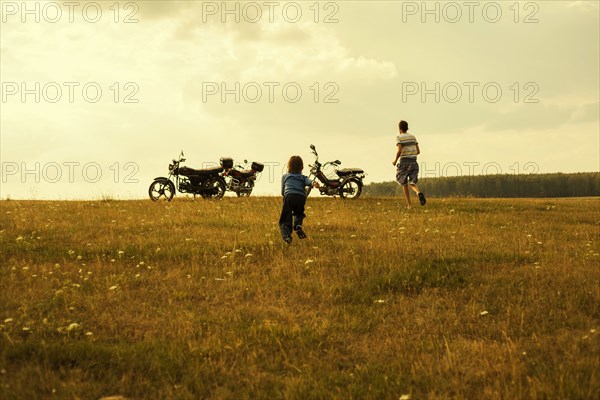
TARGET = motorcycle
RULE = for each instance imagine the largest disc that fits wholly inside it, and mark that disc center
(347, 185)
(207, 183)
(240, 179)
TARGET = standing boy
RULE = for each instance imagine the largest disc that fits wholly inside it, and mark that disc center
(407, 169)
(293, 190)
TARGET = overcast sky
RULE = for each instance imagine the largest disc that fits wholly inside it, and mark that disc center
(487, 87)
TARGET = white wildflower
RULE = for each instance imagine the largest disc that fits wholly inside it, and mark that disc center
(73, 327)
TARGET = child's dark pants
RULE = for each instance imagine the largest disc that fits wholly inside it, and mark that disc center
(293, 206)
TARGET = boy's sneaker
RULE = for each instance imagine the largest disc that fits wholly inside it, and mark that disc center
(422, 199)
(288, 239)
(300, 232)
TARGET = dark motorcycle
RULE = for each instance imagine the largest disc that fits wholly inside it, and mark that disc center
(347, 185)
(239, 179)
(207, 183)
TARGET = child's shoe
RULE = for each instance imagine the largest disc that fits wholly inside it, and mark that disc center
(300, 232)
(288, 239)
(422, 199)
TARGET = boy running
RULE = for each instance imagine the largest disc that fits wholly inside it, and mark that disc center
(407, 169)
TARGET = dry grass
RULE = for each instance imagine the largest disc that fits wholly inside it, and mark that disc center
(494, 299)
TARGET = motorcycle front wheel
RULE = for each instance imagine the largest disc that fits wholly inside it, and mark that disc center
(351, 189)
(161, 189)
(214, 188)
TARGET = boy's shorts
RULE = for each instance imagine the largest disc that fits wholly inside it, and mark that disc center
(407, 171)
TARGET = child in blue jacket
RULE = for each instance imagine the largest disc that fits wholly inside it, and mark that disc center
(293, 190)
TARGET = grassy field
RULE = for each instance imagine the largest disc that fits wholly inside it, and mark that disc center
(463, 298)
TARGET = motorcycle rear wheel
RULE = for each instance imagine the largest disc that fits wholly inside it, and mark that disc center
(246, 189)
(351, 189)
(161, 189)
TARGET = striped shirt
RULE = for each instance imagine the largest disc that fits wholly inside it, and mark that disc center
(409, 145)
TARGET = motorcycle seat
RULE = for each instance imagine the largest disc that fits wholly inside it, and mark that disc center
(199, 172)
(349, 171)
(236, 173)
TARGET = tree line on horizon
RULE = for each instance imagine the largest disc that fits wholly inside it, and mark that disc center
(581, 184)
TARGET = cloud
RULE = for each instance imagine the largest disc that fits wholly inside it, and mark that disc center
(542, 116)
(319, 54)
(270, 49)
(589, 112)
(304, 55)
